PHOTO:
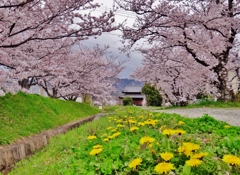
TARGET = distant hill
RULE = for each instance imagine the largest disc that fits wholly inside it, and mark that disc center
(123, 82)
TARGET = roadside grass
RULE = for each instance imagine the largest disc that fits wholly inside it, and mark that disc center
(70, 153)
(208, 104)
(23, 114)
(214, 104)
(112, 108)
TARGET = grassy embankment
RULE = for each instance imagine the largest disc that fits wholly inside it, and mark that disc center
(119, 144)
(22, 115)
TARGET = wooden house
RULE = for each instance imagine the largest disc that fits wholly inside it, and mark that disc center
(135, 92)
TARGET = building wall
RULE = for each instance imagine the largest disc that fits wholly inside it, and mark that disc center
(40, 91)
(138, 102)
(37, 90)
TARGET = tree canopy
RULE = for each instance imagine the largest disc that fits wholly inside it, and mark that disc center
(189, 46)
(192, 45)
(36, 47)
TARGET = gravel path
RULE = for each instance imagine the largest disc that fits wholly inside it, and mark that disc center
(231, 116)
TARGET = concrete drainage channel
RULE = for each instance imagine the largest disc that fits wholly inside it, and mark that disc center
(26, 147)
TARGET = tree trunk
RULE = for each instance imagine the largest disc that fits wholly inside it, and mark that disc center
(54, 93)
(163, 102)
(84, 98)
(24, 83)
(225, 93)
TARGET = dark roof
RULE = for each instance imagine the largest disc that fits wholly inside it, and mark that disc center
(133, 89)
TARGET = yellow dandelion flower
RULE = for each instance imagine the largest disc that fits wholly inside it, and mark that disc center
(110, 137)
(181, 123)
(166, 156)
(114, 130)
(181, 149)
(179, 131)
(132, 121)
(109, 128)
(188, 152)
(97, 146)
(199, 155)
(141, 124)
(191, 146)
(120, 126)
(134, 163)
(151, 122)
(141, 116)
(227, 126)
(194, 162)
(91, 137)
(131, 117)
(119, 121)
(146, 139)
(164, 167)
(116, 134)
(231, 159)
(106, 139)
(96, 151)
(147, 122)
(168, 132)
(134, 128)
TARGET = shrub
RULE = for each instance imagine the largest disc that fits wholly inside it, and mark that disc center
(237, 97)
(127, 101)
(152, 95)
(201, 96)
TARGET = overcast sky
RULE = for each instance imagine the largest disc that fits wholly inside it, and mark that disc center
(113, 39)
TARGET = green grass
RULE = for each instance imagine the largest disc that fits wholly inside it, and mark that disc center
(112, 108)
(51, 159)
(215, 104)
(22, 115)
(69, 153)
(209, 104)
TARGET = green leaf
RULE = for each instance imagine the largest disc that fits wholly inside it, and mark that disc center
(186, 170)
(91, 173)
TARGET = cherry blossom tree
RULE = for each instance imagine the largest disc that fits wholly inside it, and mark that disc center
(176, 76)
(31, 61)
(29, 26)
(23, 21)
(206, 32)
(85, 71)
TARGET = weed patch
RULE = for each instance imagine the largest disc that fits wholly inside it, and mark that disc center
(141, 143)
